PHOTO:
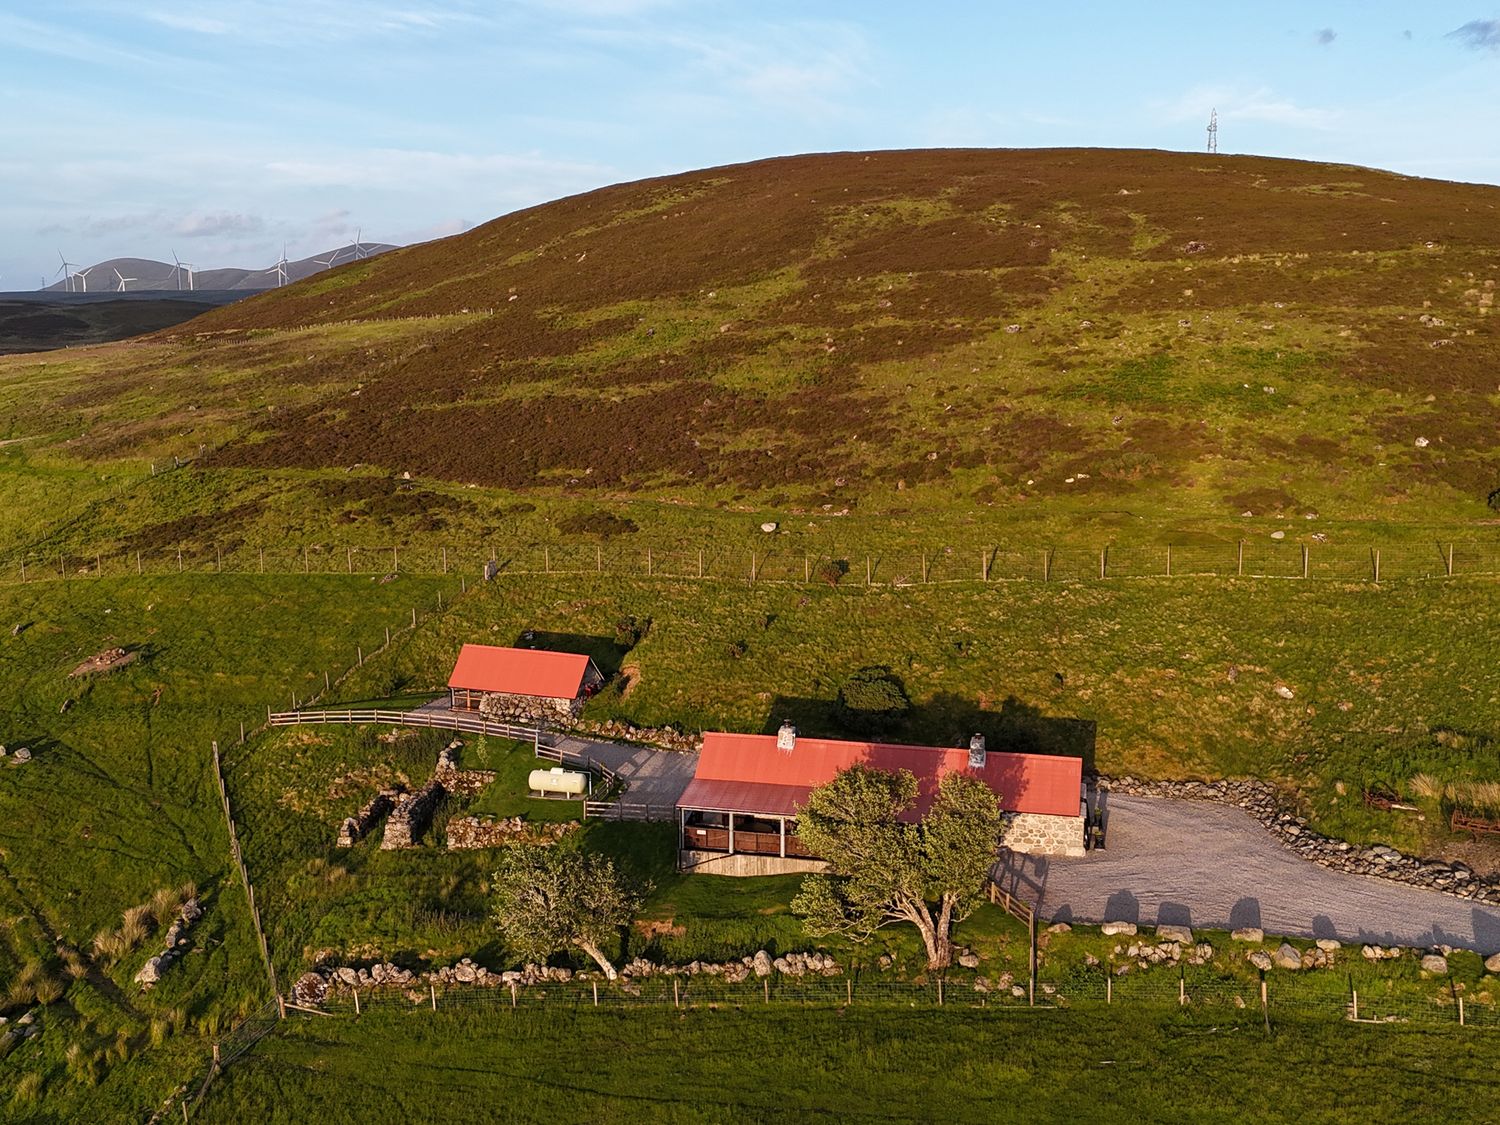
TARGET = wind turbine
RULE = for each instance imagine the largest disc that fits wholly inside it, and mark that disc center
(327, 263)
(83, 276)
(123, 280)
(67, 266)
(180, 265)
(279, 269)
(359, 249)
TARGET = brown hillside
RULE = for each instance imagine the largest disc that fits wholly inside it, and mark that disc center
(841, 323)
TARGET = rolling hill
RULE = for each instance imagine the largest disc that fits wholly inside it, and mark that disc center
(1055, 335)
(137, 275)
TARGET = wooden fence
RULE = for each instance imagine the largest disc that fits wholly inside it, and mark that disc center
(441, 720)
(627, 810)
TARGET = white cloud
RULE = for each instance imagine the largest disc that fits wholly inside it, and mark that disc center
(1261, 105)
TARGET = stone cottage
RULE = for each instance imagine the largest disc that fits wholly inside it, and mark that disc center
(738, 816)
(522, 683)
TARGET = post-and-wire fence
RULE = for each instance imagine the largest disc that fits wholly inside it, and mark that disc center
(851, 566)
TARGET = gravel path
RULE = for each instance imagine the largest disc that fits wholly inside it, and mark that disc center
(655, 777)
(1201, 864)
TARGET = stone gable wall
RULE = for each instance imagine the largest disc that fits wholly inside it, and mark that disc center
(1042, 834)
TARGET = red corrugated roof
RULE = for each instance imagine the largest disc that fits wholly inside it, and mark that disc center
(749, 768)
(519, 671)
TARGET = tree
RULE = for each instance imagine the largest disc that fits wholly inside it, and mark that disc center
(872, 699)
(550, 898)
(883, 869)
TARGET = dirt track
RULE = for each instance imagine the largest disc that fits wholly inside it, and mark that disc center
(1203, 864)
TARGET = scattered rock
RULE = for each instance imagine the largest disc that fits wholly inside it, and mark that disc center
(1260, 959)
(1113, 928)
(23, 755)
(150, 972)
(769, 527)
(969, 959)
(1059, 928)
(1284, 691)
(1435, 963)
(106, 661)
(1278, 535)
(1329, 945)
(1422, 443)
(761, 963)
(1179, 934)
(1287, 957)
(1492, 963)
(1252, 934)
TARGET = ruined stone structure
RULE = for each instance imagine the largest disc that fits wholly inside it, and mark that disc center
(175, 942)
(1043, 834)
(358, 827)
(458, 781)
(411, 816)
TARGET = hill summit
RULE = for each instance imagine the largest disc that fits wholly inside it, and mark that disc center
(895, 329)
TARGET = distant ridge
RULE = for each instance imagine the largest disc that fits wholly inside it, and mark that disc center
(151, 276)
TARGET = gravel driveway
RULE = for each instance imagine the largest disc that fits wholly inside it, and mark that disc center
(1201, 864)
(654, 777)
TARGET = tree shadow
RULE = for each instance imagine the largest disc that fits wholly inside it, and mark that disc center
(948, 719)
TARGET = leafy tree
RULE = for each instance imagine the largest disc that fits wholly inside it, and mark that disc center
(872, 699)
(883, 869)
(550, 898)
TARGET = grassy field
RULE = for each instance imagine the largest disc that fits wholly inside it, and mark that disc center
(1143, 1064)
(119, 801)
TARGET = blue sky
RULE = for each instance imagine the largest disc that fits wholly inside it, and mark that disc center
(221, 128)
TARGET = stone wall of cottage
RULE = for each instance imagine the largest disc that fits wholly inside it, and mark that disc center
(529, 709)
(1041, 834)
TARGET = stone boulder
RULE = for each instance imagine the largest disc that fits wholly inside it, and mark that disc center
(1180, 934)
(1260, 959)
(1329, 945)
(1253, 935)
(1435, 963)
(969, 959)
(761, 963)
(1287, 957)
(311, 988)
(1111, 929)
(150, 972)
(1492, 963)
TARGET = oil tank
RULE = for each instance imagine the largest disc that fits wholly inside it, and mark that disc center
(558, 782)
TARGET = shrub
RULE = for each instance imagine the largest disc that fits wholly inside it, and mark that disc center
(872, 699)
(833, 572)
(630, 630)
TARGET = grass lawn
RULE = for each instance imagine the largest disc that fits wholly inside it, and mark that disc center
(1142, 1063)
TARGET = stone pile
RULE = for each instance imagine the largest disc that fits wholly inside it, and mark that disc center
(359, 826)
(175, 942)
(1262, 801)
(490, 832)
(411, 816)
(20, 755)
(25, 1027)
(1170, 952)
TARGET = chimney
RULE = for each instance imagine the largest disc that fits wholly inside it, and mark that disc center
(976, 752)
(786, 737)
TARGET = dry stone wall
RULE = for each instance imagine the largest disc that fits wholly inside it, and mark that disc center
(411, 816)
(1041, 834)
(529, 709)
(175, 942)
(491, 832)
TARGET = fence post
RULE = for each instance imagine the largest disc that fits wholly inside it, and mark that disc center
(849, 990)
(940, 992)
(1182, 989)
(1240, 560)
(766, 985)
(262, 565)
(1375, 562)
(413, 617)
(23, 565)
(281, 1006)
(445, 559)
(349, 559)
(137, 563)
(924, 567)
(546, 560)
(649, 566)
(1169, 560)
(1450, 560)
(512, 994)
(676, 995)
(700, 562)
(1103, 562)
(867, 570)
(1109, 987)
(432, 991)
(356, 1001)
(387, 636)
(599, 560)
(984, 564)
(179, 560)
(360, 649)
(1304, 560)
(806, 568)
(1355, 992)
(596, 992)
(1265, 1004)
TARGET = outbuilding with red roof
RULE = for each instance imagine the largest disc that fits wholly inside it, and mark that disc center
(522, 682)
(738, 814)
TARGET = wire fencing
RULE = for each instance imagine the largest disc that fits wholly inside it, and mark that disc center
(854, 566)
